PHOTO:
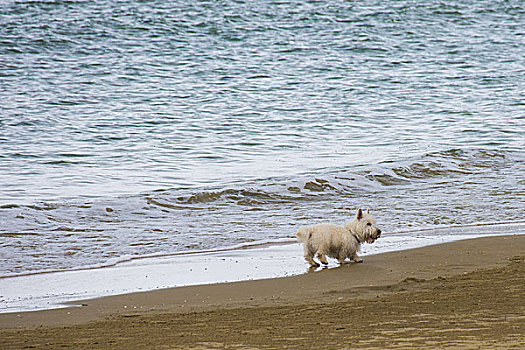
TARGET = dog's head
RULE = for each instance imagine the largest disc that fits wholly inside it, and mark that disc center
(365, 226)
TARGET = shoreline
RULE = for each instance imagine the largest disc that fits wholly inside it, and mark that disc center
(464, 294)
(500, 227)
(61, 289)
(426, 262)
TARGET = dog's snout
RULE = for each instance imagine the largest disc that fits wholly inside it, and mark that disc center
(378, 232)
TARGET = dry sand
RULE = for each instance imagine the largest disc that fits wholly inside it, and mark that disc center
(467, 294)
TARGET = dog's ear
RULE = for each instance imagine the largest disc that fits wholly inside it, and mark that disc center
(367, 211)
(359, 214)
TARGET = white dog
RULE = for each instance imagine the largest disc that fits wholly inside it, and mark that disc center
(339, 242)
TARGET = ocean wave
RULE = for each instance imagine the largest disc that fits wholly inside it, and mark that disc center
(348, 181)
(351, 181)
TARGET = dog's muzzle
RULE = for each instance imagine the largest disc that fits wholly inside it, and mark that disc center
(374, 236)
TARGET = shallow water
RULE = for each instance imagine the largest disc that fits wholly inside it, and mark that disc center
(151, 127)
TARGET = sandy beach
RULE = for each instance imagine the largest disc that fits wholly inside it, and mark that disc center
(465, 294)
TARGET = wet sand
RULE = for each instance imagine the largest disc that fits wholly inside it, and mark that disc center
(466, 294)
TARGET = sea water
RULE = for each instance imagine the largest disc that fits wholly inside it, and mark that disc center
(131, 129)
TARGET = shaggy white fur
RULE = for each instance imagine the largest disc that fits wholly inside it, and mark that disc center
(339, 242)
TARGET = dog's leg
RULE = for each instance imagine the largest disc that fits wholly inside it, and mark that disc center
(309, 256)
(356, 258)
(311, 260)
(322, 258)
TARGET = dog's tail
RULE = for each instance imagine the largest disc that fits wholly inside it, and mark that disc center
(303, 234)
